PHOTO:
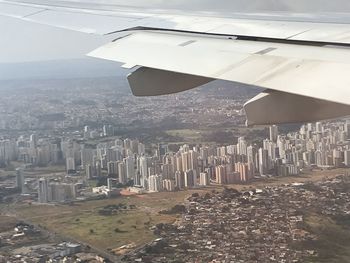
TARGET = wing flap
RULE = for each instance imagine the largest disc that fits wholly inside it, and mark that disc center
(154, 82)
(296, 69)
(280, 107)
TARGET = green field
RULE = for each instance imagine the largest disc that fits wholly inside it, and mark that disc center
(208, 135)
(333, 239)
(186, 135)
(83, 222)
(7, 223)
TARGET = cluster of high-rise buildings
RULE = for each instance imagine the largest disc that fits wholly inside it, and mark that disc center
(319, 145)
(189, 167)
(30, 150)
(322, 145)
(55, 191)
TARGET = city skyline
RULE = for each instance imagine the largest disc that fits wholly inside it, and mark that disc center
(319, 145)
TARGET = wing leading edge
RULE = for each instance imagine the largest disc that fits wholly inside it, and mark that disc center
(302, 64)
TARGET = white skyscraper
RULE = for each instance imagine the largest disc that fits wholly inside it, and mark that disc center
(20, 179)
(204, 179)
(137, 179)
(318, 127)
(347, 128)
(143, 167)
(89, 171)
(185, 160)
(320, 158)
(178, 163)
(193, 160)
(232, 149)
(251, 154)
(43, 191)
(110, 183)
(347, 158)
(242, 146)
(87, 156)
(179, 180)
(122, 173)
(221, 175)
(33, 140)
(70, 164)
(190, 179)
(168, 185)
(155, 183)
(130, 167)
(86, 132)
(273, 133)
(141, 148)
(263, 161)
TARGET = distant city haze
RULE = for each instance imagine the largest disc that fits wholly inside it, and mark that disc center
(23, 41)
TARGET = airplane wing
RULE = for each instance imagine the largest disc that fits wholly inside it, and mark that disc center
(301, 60)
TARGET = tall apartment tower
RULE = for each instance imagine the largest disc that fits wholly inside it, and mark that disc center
(273, 133)
(204, 179)
(190, 179)
(179, 180)
(43, 191)
(220, 172)
(122, 173)
(20, 179)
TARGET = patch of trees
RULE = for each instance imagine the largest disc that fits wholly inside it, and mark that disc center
(118, 230)
(103, 181)
(114, 209)
(312, 187)
(156, 247)
(230, 193)
(218, 136)
(343, 220)
(177, 209)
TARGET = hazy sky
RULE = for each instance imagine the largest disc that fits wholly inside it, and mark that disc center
(23, 41)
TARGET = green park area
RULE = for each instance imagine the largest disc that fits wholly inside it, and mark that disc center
(333, 238)
(210, 135)
(87, 222)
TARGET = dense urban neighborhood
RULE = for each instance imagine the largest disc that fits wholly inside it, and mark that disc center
(107, 177)
(259, 225)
